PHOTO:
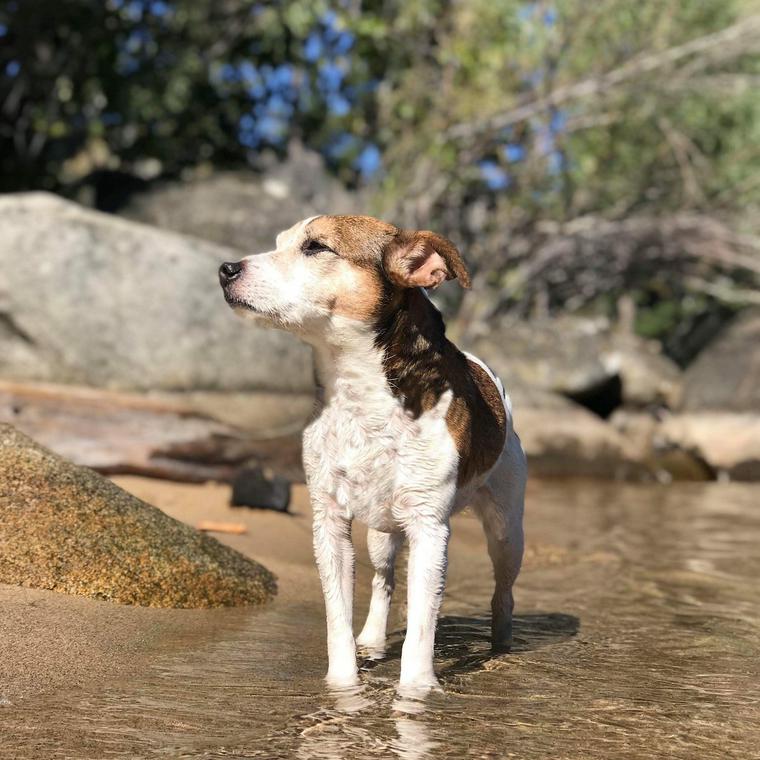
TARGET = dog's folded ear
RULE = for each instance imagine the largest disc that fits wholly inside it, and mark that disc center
(423, 259)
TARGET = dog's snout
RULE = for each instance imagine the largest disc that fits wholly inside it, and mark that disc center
(229, 271)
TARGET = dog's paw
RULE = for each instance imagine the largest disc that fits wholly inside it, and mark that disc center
(419, 687)
(371, 648)
(342, 679)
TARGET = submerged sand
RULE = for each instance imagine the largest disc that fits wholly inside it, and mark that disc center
(50, 640)
(636, 635)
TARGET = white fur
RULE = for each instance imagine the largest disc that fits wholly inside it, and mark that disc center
(366, 458)
(285, 289)
(496, 381)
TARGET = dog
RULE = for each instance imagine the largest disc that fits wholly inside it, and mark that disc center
(407, 429)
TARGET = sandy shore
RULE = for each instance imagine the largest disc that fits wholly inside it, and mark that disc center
(50, 641)
(635, 636)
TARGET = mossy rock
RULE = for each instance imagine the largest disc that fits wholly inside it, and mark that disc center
(66, 528)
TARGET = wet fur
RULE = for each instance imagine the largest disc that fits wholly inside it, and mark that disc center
(407, 430)
(421, 364)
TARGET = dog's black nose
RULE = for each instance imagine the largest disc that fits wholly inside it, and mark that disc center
(229, 271)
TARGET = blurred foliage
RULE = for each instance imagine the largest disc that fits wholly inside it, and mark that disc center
(486, 119)
(127, 84)
(681, 134)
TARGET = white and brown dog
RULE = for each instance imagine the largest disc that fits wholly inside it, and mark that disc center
(408, 429)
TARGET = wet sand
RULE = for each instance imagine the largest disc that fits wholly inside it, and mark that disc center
(637, 635)
(50, 640)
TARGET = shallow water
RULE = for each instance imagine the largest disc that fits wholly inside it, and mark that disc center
(637, 634)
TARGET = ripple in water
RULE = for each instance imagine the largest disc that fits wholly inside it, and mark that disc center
(636, 636)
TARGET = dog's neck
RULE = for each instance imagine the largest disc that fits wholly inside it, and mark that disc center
(405, 355)
(348, 364)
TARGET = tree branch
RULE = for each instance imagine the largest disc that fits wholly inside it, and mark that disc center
(733, 38)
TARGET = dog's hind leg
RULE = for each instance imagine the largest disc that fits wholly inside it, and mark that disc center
(382, 553)
(499, 504)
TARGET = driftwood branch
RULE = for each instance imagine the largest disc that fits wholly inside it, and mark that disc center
(123, 433)
(574, 263)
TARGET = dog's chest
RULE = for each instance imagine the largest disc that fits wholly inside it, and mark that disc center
(367, 456)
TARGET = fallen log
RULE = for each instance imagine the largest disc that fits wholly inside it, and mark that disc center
(126, 433)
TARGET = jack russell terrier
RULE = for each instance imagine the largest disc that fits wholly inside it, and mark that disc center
(408, 429)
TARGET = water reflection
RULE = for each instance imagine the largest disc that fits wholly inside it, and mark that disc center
(413, 740)
(335, 733)
(463, 642)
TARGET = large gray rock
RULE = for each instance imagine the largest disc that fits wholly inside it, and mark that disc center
(726, 375)
(729, 443)
(245, 210)
(559, 356)
(583, 359)
(572, 442)
(91, 299)
(66, 528)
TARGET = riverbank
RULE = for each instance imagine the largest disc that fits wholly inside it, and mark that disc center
(636, 636)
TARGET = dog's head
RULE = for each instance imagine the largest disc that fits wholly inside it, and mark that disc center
(330, 267)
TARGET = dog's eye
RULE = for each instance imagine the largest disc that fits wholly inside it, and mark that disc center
(314, 247)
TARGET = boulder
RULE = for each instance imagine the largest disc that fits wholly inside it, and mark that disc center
(582, 359)
(648, 378)
(728, 443)
(667, 460)
(694, 445)
(726, 374)
(525, 396)
(66, 528)
(560, 356)
(566, 440)
(245, 210)
(91, 299)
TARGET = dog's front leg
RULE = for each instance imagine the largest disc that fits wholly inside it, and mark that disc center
(335, 559)
(426, 578)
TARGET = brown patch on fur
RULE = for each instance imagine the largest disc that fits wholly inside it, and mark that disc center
(479, 427)
(366, 241)
(361, 300)
(360, 239)
(421, 364)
